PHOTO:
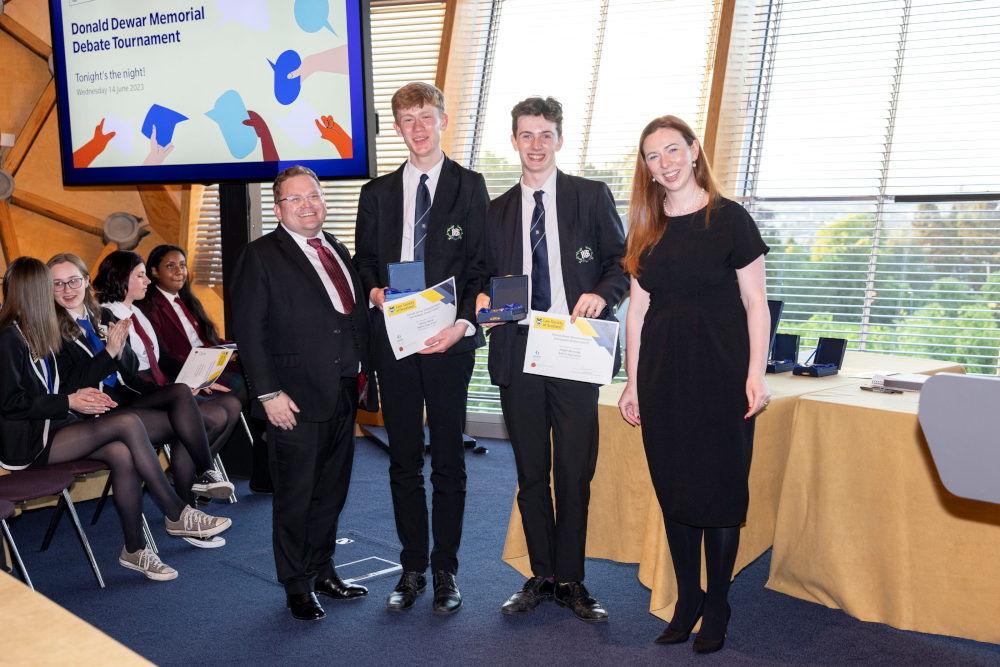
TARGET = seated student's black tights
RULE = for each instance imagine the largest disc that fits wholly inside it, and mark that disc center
(221, 416)
(171, 415)
(120, 442)
(721, 545)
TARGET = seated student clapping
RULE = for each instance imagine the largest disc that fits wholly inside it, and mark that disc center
(96, 353)
(121, 281)
(37, 427)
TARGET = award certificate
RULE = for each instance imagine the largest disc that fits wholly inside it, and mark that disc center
(411, 321)
(583, 350)
(204, 366)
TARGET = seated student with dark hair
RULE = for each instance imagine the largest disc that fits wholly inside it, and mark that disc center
(120, 282)
(38, 429)
(181, 324)
(96, 353)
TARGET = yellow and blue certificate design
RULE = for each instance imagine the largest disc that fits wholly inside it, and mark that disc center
(583, 350)
(411, 321)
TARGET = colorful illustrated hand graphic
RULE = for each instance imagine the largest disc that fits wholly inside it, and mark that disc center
(264, 133)
(334, 61)
(157, 153)
(335, 135)
(86, 154)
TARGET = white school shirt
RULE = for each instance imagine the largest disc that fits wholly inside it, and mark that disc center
(189, 330)
(121, 312)
(556, 286)
(411, 180)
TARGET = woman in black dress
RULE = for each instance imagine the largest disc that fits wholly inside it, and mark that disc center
(697, 334)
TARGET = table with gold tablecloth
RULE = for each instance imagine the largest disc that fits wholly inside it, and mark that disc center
(865, 525)
(625, 523)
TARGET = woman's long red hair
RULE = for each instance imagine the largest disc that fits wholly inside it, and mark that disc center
(646, 220)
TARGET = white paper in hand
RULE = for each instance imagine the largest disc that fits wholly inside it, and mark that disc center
(583, 350)
(409, 322)
(204, 366)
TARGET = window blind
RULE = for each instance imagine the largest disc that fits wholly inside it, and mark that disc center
(862, 143)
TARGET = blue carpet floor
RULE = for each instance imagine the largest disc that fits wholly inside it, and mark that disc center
(225, 608)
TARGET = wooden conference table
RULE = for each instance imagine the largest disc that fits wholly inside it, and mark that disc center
(625, 522)
(37, 631)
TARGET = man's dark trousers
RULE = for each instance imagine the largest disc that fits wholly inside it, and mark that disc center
(534, 405)
(311, 471)
(442, 382)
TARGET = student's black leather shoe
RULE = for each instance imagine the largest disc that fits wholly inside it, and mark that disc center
(338, 590)
(534, 592)
(447, 597)
(404, 595)
(674, 636)
(705, 645)
(305, 606)
(575, 596)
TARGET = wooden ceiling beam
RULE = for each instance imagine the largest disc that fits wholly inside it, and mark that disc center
(444, 51)
(8, 238)
(162, 212)
(59, 212)
(28, 134)
(108, 249)
(25, 36)
(725, 34)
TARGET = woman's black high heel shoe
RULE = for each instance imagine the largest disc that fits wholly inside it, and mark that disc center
(702, 645)
(670, 636)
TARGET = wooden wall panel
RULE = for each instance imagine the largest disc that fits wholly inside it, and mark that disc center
(212, 302)
(41, 237)
(41, 174)
(33, 15)
(24, 76)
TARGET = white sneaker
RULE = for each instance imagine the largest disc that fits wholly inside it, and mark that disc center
(195, 523)
(147, 562)
(206, 542)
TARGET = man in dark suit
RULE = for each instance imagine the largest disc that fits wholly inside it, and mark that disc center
(430, 210)
(305, 340)
(565, 233)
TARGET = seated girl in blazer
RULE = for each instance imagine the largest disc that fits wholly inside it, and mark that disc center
(96, 353)
(37, 427)
(120, 282)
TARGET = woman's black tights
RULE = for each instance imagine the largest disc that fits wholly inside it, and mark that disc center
(721, 545)
(221, 415)
(119, 441)
(171, 415)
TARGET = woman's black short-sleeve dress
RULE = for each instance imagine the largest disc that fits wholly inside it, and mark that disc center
(693, 361)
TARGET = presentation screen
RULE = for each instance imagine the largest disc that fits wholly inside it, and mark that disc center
(166, 91)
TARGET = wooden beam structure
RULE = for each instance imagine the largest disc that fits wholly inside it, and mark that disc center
(59, 212)
(162, 212)
(31, 128)
(725, 33)
(444, 51)
(191, 198)
(108, 249)
(8, 238)
(25, 36)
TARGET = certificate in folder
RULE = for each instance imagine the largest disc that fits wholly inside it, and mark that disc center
(204, 365)
(405, 279)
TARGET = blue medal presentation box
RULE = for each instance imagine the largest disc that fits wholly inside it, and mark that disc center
(508, 296)
(405, 278)
(829, 357)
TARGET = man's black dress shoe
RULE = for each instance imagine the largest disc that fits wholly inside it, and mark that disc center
(338, 590)
(534, 592)
(705, 645)
(575, 596)
(261, 488)
(674, 636)
(305, 606)
(447, 598)
(404, 595)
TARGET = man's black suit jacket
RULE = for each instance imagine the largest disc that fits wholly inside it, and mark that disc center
(455, 244)
(285, 325)
(591, 241)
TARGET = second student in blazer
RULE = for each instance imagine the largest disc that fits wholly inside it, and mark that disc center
(431, 210)
(565, 233)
